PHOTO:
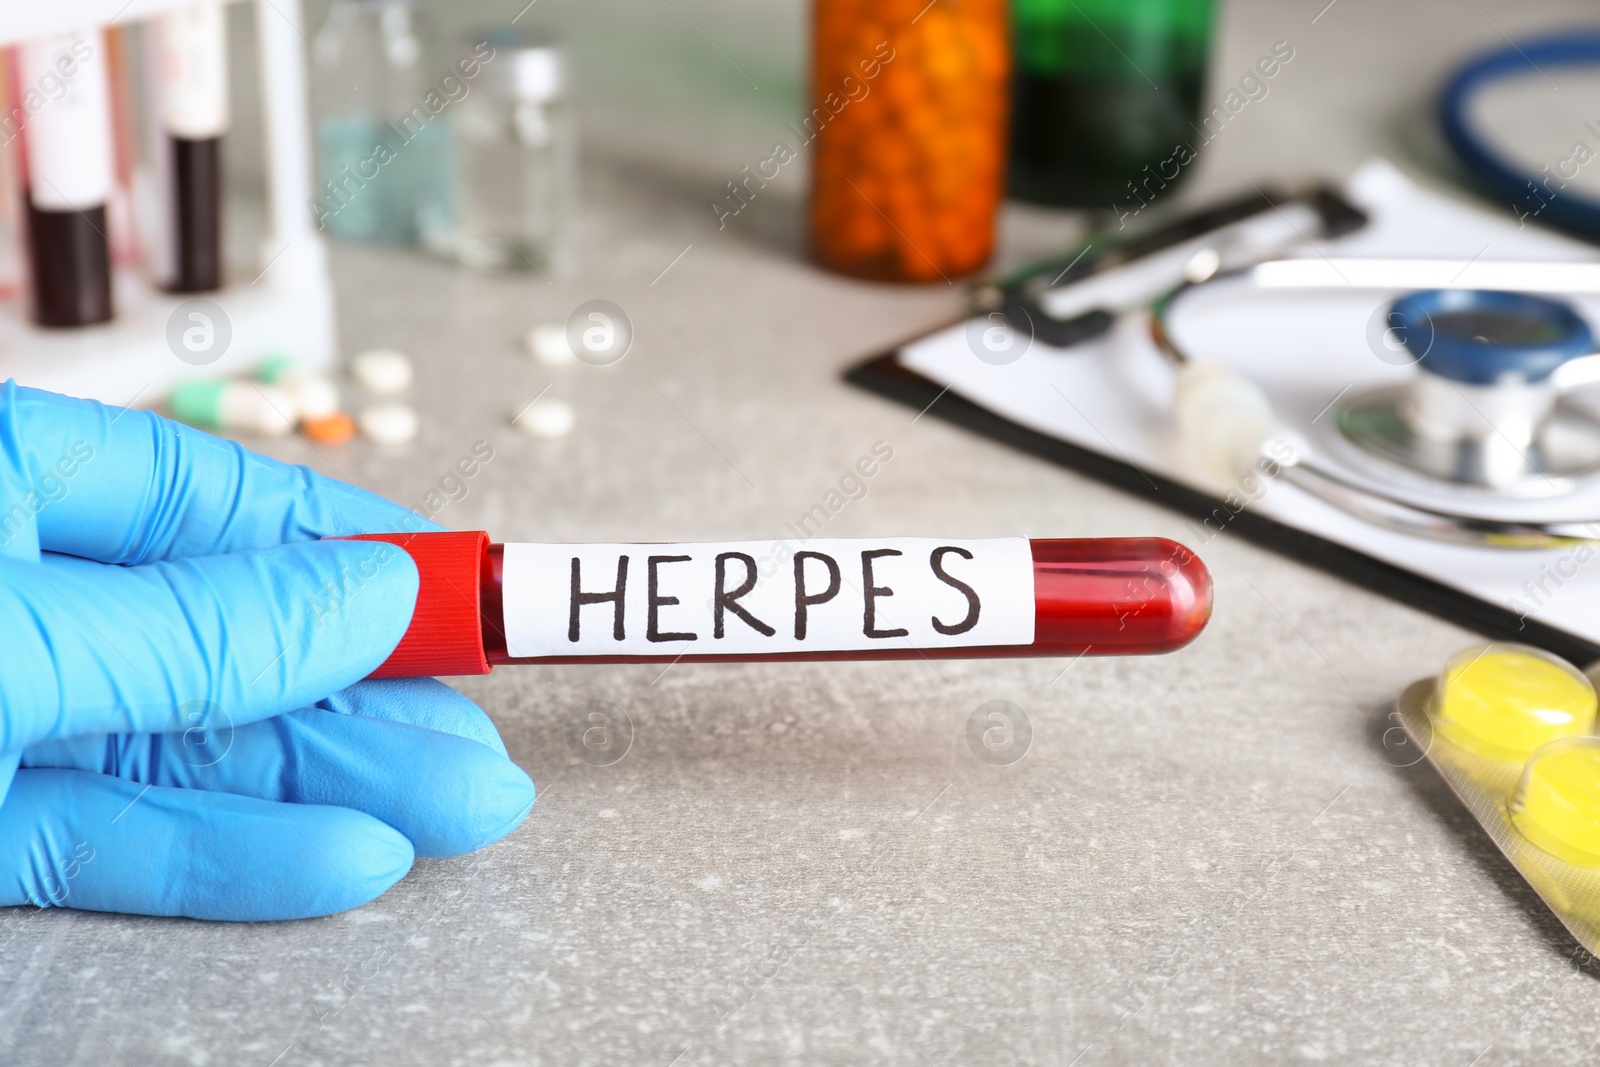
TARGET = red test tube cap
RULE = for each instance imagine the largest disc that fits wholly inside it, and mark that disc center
(446, 632)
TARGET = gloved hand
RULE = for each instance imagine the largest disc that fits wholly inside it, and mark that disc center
(173, 628)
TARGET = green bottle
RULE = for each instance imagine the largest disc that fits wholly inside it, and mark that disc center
(1101, 90)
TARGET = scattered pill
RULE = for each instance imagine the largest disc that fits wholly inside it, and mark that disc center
(548, 344)
(1557, 805)
(389, 424)
(243, 406)
(1503, 701)
(333, 429)
(383, 371)
(546, 418)
(315, 396)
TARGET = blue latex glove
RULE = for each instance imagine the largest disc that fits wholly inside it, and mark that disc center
(173, 628)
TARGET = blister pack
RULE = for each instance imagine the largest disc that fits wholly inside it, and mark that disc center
(1512, 730)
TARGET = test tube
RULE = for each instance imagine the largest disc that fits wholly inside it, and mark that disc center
(482, 604)
(193, 79)
(63, 83)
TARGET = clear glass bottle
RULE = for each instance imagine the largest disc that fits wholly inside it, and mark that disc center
(517, 148)
(384, 163)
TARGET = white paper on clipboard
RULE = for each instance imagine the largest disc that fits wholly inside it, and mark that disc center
(1305, 349)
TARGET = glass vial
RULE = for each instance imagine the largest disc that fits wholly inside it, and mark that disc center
(517, 148)
(1103, 89)
(907, 130)
(383, 142)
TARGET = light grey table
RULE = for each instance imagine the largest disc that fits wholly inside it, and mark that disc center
(1203, 857)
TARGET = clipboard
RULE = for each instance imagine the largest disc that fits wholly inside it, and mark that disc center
(887, 374)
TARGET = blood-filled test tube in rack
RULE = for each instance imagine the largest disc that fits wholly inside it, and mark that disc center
(191, 58)
(67, 146)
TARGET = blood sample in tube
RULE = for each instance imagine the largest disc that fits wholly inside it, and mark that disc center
(194, 115)
(67, 140)
(481, 604)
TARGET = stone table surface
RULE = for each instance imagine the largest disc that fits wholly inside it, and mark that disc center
(1202, 858)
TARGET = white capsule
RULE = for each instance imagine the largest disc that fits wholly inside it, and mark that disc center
(383, 371)
(315, 395)
(546, 418)
(388, 424)
(256, 408)
(548, 344)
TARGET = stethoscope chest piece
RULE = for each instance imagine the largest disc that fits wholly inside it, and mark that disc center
(1484, 408)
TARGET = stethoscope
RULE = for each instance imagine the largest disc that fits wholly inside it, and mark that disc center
(1495, 351)
(1483, 409)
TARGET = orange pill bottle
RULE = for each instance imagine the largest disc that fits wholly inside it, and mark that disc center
(907, 129)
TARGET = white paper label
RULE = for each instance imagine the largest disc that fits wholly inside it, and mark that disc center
(194, 71)
(755, 597)
(64, 95)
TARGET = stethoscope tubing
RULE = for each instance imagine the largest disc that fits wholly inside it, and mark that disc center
(1497, 175)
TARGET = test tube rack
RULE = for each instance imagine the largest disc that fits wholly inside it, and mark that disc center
(287, 308)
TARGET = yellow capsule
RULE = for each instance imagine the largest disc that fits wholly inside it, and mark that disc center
(1557, 803)
(1502, 701)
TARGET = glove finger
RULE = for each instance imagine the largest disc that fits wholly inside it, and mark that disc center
(424, 702)
(447, 794)
(126, 486)
(82, 840)
(9, 761)
(97, 649)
